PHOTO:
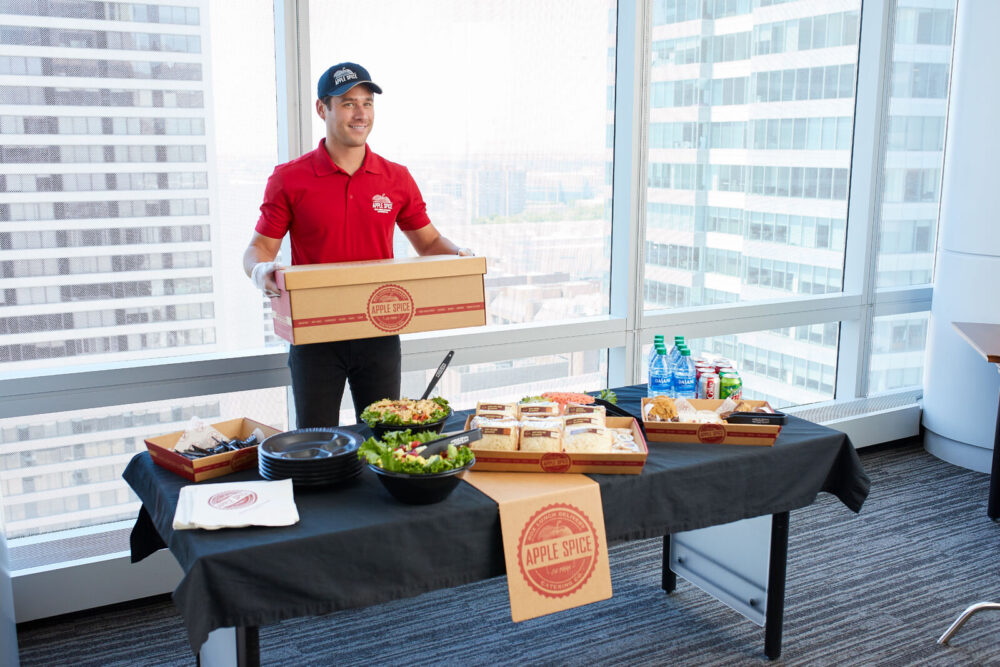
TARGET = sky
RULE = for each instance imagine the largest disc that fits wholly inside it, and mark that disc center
(518, 77)
(523, 77)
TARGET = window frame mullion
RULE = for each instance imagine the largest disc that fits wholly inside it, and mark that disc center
(873, 84)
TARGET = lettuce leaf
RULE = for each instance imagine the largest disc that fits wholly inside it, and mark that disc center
(382, 453)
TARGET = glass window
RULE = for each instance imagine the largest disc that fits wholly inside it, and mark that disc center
(131, 250)
(897, 357)
(119, 198)
(805, 375)
(921, 61)
(95, 445)
(532, 194)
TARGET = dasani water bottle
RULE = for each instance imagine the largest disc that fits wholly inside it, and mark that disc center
(684, 378)
(659, 374)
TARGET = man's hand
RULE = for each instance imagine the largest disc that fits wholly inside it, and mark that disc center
(465, 252)
(262, 276)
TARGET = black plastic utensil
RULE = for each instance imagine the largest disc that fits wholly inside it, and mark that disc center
(441, 444)
(762, 418)
(438, 373)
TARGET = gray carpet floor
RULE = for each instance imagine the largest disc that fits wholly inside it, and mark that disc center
(876, 588)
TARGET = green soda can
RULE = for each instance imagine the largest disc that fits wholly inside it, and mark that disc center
(730, 384)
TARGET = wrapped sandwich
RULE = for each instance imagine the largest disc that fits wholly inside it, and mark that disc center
(499, 434)
(591, 439)
(582, 420)
(496, 409)
(577, 410)
(541, 435)
(536, 407)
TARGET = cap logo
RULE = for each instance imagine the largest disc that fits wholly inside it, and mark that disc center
(342, 75)
(381, 204)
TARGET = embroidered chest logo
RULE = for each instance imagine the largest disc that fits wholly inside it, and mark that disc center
(342, 75)
(381, 204)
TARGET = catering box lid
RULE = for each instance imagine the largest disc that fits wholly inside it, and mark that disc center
(308, 276)
(327, 302)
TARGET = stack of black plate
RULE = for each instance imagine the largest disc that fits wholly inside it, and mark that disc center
(310, 456)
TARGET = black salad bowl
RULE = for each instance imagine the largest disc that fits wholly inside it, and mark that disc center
(417, 488)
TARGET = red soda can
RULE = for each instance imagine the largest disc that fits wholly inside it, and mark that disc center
(708, 385)
(703, 368)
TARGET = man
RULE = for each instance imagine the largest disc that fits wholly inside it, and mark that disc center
(340, 203)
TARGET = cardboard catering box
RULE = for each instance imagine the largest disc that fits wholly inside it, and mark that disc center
(327, 302)
(617, 463)
(726, 434)
(161, 448)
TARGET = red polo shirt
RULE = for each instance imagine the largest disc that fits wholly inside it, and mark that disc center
(331, 216)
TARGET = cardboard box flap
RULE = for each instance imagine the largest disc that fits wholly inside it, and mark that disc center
(308, 276)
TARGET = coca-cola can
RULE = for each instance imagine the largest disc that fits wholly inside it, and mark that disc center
(703, 368)
(708, 385)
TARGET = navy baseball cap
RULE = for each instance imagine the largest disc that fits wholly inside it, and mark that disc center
(342, 77)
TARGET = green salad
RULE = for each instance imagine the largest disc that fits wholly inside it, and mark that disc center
(404, 411)
(398, 453)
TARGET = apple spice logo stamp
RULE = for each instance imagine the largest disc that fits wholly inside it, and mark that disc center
(557, 551)
(381, 203)
(390, 308)
(232, 499)
(711, 433)
(555, 462)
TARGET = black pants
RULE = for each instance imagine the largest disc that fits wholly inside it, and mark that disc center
(371, 366)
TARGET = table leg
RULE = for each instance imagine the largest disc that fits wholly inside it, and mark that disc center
(230, 647)
(669, 579)
(993, 506)
(247, 647)
(774, 615)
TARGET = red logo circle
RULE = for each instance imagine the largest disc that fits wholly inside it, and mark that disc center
(711, 433)
(557, 551)
(390, 308)
(555, 462)
(231, 500)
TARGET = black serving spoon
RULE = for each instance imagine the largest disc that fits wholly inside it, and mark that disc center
(441, 444)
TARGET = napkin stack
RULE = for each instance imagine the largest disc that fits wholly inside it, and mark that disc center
(236, 505)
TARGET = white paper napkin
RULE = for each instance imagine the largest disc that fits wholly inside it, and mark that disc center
(236, 505)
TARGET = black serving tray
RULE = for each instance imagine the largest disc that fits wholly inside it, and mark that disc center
(761, 418)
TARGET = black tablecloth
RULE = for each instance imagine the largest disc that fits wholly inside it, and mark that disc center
(356, 546)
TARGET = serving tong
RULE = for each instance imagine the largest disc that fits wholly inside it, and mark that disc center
(437, 374)
(441, 444)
